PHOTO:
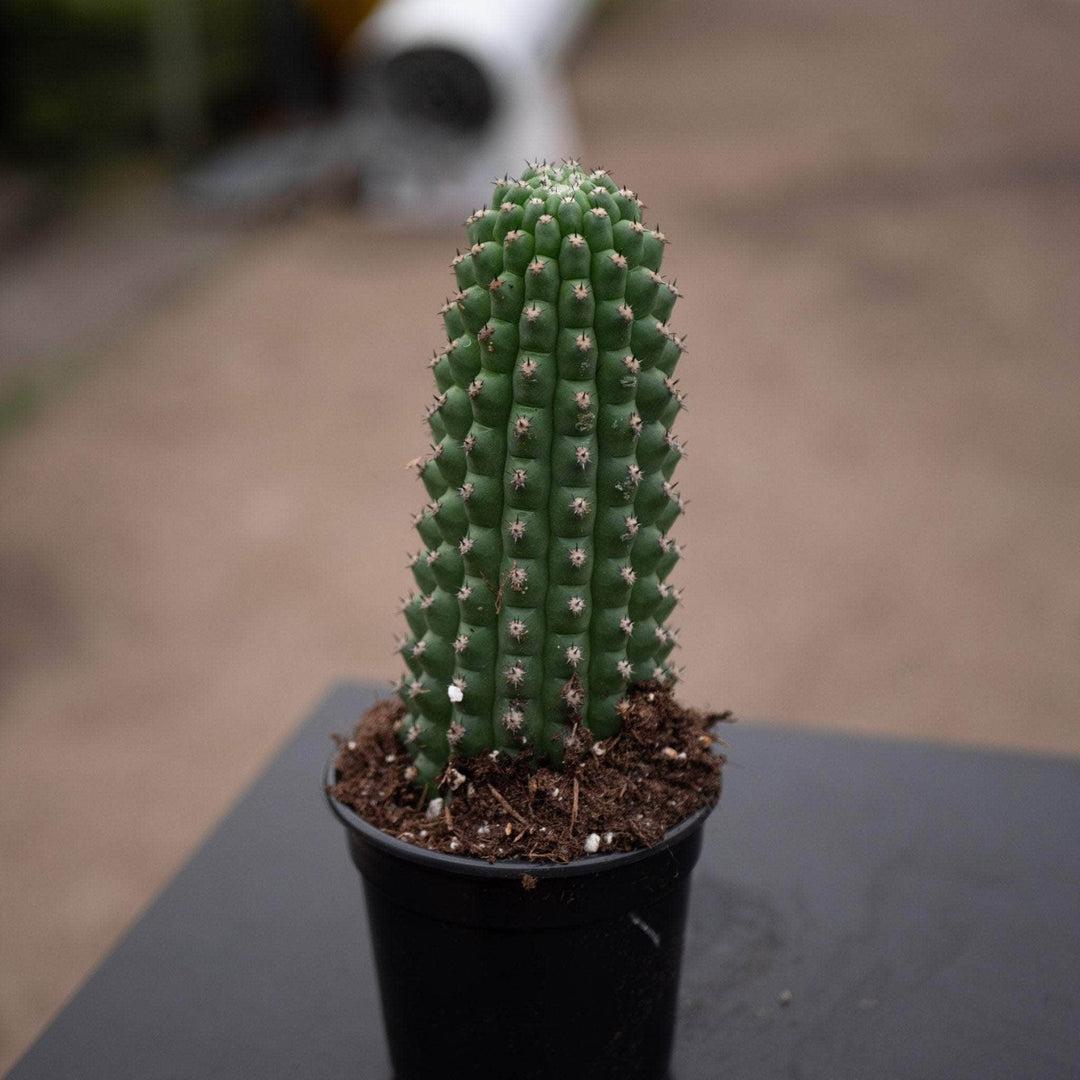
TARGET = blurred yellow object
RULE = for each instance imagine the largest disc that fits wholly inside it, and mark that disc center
(338, 19)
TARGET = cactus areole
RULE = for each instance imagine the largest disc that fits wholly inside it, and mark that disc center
(541, 581)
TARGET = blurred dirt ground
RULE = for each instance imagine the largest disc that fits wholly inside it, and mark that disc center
(875, 210)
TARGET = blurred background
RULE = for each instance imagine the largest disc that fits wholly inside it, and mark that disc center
(225, 230)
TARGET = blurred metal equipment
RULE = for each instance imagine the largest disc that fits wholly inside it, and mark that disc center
(464, 92)
(438, 99)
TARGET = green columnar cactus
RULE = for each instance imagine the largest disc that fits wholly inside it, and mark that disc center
(542, 579)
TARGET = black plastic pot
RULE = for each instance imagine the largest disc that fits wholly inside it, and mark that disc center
(574, 977)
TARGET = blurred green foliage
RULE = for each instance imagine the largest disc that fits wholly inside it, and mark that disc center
(77, 78)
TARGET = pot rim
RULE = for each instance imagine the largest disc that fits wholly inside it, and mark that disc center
(469, 866)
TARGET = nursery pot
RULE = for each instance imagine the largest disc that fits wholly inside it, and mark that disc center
(528, 970)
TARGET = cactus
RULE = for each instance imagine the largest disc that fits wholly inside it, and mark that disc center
(542, 587)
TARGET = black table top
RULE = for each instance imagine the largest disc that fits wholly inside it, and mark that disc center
(862, 910)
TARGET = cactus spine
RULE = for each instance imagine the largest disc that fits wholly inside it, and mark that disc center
(542, 579)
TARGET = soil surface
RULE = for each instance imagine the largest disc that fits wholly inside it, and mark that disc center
(616, 794)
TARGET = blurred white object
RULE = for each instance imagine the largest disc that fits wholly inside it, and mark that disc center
(443, 96)
(460, 93)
